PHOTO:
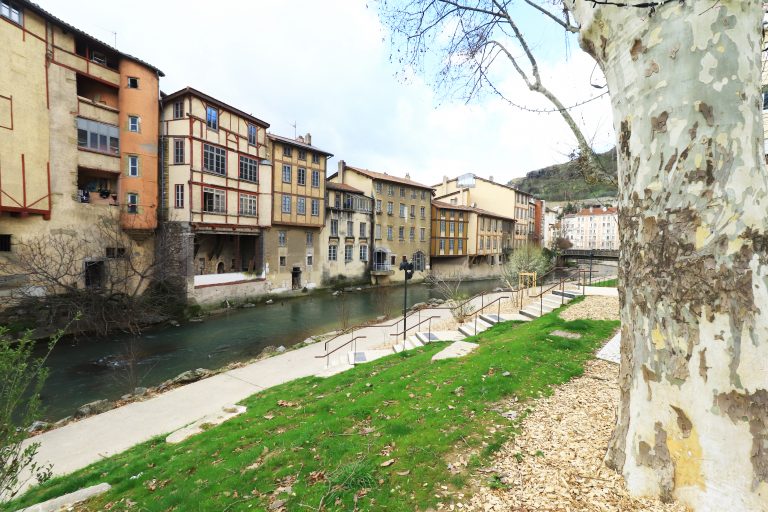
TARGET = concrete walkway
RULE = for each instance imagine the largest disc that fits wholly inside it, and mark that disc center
(84, 442)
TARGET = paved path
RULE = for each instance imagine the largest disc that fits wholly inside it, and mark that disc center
(84, 442)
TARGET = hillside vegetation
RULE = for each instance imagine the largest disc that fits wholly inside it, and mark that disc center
(564, 182)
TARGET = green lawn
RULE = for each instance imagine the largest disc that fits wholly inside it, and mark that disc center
(378, 437)
(609, 283)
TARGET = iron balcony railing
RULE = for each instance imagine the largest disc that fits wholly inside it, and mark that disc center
(382, 267)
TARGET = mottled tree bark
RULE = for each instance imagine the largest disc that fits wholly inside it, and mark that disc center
(685, 87)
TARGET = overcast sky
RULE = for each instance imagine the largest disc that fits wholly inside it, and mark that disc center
(324, 65)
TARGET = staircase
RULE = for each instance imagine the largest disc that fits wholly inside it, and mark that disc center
(549, 302)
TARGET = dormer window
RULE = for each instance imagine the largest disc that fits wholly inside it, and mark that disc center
(212, 118)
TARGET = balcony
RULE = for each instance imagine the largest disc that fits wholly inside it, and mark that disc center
(382, 269)
(96, 187)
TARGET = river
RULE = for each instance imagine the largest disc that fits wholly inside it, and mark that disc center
(86, 369)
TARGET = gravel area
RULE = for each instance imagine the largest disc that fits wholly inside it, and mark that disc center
(556, 462)
(593, 308)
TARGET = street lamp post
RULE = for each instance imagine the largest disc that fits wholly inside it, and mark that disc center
(408, 269)
(591, 254)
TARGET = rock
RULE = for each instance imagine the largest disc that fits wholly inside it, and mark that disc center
(506, 374)
(62, 422)
(190, 376)
(248, 305)
(280, 349)
(336, 293)
(140, 391)
(510, 415)
(381, 318)
(126, 396)
(277, 505)
(196, 320)
(270, 301)
(498, 289)
(38, 426)
(359, 289)
(173, 323)
(269, 349)
(97, 407)
(419, 305)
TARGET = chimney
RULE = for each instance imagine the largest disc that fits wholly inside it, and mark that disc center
(407, 175)
(490, 178)
(445, 184)
(342, 166)
(300, 138)
(308, 139)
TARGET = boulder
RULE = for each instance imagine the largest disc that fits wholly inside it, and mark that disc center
(38, 426)
(140, 391)
(190, 376)
(280, 349)
(97, 407)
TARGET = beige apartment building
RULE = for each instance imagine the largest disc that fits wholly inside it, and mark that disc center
(216, 185)
(592, 228)
(348, 234)
(78, 145)
(401, 220)
(503, 200)
(468, 240)
(292, 244)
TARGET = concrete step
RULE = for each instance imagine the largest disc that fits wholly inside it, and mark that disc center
(367, 356)
(413, 342)
(427, 337)
(468, 329)
(507, 317)
(491, 319)
(569, 293)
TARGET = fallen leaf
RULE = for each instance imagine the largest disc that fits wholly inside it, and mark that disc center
(387, 463)
(404, 473)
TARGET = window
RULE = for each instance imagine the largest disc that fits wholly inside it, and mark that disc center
(402, 191)
(133, 124)
(287, 170)
(214, 200)
(212, 118)
(379, 187)
(302, 154)
(214, 159)
(178, 109)
(133, 203)
(287, 151)
(390, 207)
(423, 195)
(377, 234)
(442, 245)
(461, 245)
(442, 227)
(391, 190)
(247, 204)
(389, 232)
(423, 212)
(363, 253)
(403, 210)
(451, 245)
(334, 227)
(281, 238)
(309, 260)
(310, 239)
(451, 228)
(133, 165)
(96, 136)
(5, 243)
(348, 253)
(115, 252)
(179, 193)
(401, 233)
(11, 11)
(301, 205)
(413, 194)
(412, 234)
(178, 151)
(332, 253)
(252, 134)
(461, 228)
(315, 158)
(422, 234)
(301, 176)
(286, 204)
(419, 261)
(315, 207)
(316, 179)
(363, 230)
(98, 57)
(350, 228)
(249, 169)
(378, 206)
(133, 82)
(282, 261)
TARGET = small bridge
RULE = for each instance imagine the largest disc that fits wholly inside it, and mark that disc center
(597, 254)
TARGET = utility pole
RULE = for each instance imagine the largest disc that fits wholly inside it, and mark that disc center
(408, 269)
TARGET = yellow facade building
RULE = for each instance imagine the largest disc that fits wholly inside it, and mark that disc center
(506, 201)
(401, 220)
(78, 141)
(216, 194)
(293, 244)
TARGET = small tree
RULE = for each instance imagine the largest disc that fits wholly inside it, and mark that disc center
(449, 288)
(528, 258)
(23, 377)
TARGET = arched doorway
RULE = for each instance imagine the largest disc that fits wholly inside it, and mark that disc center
(419, 261)
(220, 268)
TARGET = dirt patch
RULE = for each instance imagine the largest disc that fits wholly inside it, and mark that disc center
(556, 462)
(593, 308)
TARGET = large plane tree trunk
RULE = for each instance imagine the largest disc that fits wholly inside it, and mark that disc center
(685, 86)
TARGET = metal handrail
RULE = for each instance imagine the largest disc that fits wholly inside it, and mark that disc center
(498, 312)
(328, 354)
(414, 326)
(561, 284)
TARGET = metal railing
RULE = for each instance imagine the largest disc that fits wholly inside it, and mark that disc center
(327, 355)
(498, 311)
(405, 331)
(382, 267)
(561, 283)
